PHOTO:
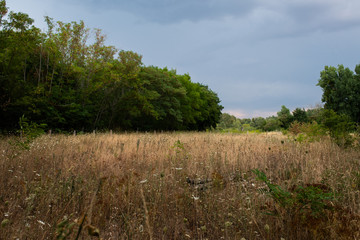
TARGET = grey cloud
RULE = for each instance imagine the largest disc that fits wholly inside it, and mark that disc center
(172, 11)
(257, 55)
(319, 15)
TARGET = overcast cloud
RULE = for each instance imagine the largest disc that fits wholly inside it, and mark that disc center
(257, 55)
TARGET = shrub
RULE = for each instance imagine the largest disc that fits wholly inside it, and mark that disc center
(308, 132)
(339, 127)
(28, 132)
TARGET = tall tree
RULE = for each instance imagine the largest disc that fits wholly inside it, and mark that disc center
(341, 90)
(285, 117)
(19, 41)
(165, 93)
(258, 123)
(300, 115)
(57, 78)
(210, 108)
(3, 11)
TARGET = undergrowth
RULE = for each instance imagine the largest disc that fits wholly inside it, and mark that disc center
(178, 186)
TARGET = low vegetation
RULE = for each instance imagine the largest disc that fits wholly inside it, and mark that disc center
(178, 186)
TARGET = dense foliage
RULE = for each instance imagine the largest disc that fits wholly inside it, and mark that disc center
(338, 118)
(59, 79)
(282, 121)
(303, 125)
(341, 90)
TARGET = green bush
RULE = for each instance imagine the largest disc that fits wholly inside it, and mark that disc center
(307, 132)
(28, 132)
(339, 127)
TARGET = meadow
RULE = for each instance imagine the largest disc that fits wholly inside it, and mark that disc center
(178, 186)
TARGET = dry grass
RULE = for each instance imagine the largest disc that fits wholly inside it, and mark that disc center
(173, 186)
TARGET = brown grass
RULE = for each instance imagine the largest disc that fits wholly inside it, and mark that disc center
(172, 186)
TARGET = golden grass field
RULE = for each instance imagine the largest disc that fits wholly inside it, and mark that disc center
(175, 186)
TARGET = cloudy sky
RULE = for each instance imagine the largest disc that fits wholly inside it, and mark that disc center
(256, 54)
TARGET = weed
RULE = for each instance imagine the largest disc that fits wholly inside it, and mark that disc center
(311, 199)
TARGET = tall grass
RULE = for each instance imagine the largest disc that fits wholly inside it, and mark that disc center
(176, 186)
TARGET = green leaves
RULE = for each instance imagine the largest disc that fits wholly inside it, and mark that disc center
(339, 127)
(284, 198)
(341, 90)
(57, 78)
(285, 117)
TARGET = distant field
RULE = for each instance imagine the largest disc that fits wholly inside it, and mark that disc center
(178, 186)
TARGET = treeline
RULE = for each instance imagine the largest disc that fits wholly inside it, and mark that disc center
(340, 114)
(302, 125)
(341, 111)
(59, 80)
(282, 121)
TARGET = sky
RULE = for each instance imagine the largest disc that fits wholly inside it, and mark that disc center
(257, 55)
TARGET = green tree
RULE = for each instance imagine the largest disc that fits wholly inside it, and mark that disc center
(314, 114)
(190, 103)
(227, 121)
(3, 11)
(58, 79)
(285, 118)
(272, 124)
(19, 42)
(341, 90)
(339, 127)
(165, 93)
(258, 123)
(210, 108)
(300, 115)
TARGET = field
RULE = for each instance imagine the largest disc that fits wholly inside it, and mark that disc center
(178, 186)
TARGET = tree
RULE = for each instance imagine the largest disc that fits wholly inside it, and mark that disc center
(258, 123)
(315, 114)
(58, 79)
(19, 42)
(300, 115)
(285, 118)
(227, 121)
(341, 90)
(272, 124)
(339, 127)
(210, 108)
(3, 10)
